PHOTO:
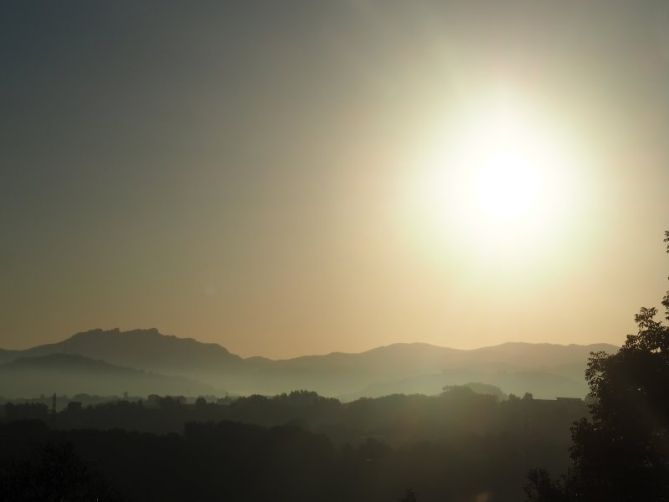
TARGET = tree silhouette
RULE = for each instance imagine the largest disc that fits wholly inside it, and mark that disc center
(622, 452)
(56, 474)
(542, 488)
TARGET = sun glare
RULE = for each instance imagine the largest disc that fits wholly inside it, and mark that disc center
(498, 176)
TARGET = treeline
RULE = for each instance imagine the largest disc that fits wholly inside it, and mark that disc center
(300, 446)
(396, 419)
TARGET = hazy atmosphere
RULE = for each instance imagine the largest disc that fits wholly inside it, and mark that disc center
(334, 251)
(281, 177)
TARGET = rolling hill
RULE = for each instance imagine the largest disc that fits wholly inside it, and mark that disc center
(74, 374)
(546, 370)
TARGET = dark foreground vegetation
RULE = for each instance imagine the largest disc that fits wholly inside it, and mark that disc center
(457, 446)
(621, 452)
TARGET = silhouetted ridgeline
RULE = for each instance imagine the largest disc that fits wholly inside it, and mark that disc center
(301, 446)
(470, 441)
(170, 365)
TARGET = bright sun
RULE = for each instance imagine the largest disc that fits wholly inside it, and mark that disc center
(498, 177)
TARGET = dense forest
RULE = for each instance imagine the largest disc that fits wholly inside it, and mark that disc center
(459, 445)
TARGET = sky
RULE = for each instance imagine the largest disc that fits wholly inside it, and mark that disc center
(262, 174)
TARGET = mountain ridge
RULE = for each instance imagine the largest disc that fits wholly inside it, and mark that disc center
(152, 331)
(545, 369)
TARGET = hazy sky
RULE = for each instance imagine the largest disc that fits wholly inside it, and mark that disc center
(240, 172)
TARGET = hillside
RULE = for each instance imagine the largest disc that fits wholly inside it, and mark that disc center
(546, 370)
(74, 374)
(142, 348)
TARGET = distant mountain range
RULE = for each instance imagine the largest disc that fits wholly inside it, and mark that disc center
(115, 361)
(73, 374)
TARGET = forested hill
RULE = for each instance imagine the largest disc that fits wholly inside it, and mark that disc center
(299, 447)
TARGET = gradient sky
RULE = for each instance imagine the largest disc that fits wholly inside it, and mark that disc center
(236, 171)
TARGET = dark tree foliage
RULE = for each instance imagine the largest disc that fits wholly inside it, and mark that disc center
(622, 452)
(542, 488)
(455, 446)
(54, 474)
(37, 411)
